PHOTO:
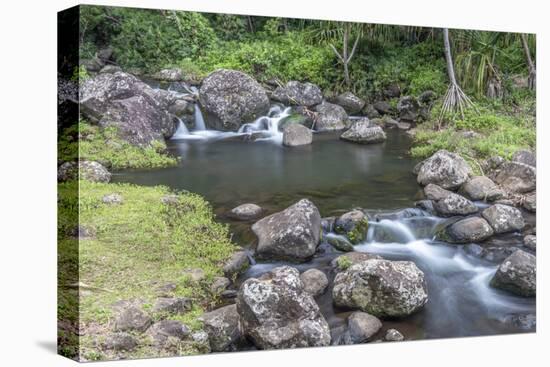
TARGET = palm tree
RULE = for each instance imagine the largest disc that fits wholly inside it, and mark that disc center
(530, 64)
(455, 99)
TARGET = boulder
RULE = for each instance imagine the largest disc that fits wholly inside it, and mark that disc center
(482, 188)
(446, 169)
(382, 288)
(504, 218)
(85, 170)
(522, 321)
(169, 75)
(301, 116)
(392, 90)
(515, 177)
(362, 327)
(231, 98)
(472, 229)
(345, 261)
(132, 318)
(339, 242)
(219, 285)
(112, 199)
(530, 202)
(174, 306)
(300, 94)
(490, 252)
(315, 282)
(223, 328)
(120, 342)
(408, 109)
(383, 107)
(525, 157)
(292, 234)
(110, 69)
(195, 275)
(454, 204)
(236, 264)
(370, 112)
(247, 211)
(164, 330)
(427, 97)
(517, 274)
(353, 224)
(296, 135)
(393, 335)
(362, 132)
(330, 117)
(276, 312)
(530, 241)
(435, 192)
(350, 102)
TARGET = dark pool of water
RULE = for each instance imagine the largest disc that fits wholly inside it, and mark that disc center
(338, 176)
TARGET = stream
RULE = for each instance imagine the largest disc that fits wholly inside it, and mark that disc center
(229, 170)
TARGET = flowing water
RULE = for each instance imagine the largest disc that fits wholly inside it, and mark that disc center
(338, 176)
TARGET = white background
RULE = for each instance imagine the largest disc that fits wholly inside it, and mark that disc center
(28, 181)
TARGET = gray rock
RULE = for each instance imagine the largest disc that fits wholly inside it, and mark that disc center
(427, 97)
(163, 330)
(83, 232)
(435, 192)
(393, 335)
(169, 75)
(200, 338)
(246, 212)
(517, 274)
(370, 112)
(482, 188)
(173, 306)
(315, 282)
(276, 312)
(472, 229)
(112, 199)
(170, 199)
(85, 170)
(392, 90)
(530, 241)
(383, 107)
(408, 109)
(345, 261)
(330, 117)
(525, 157)
(350, 102)
(300, 94)
(194, 274)
(236, 264)
(219, 285)
(110, 69)
(515, 177)
(382, 288)
(454, 204)
(522, 321)
(362, 327)
(120, 342)
(530, 202)
(231, 98)
(362, 132)
(296, 135)
(445, 169)
(132, 318)
(354, 225)
(339, 242)
(327, 223)
(223, 328)
(494, 254)
(504, 218)
(292, 234)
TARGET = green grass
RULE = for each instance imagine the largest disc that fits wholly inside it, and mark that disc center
(105, 147)
(139, 245)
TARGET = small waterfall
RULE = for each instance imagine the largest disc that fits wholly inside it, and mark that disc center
(268, 125)
(393, 230)
(181, 132)
(199, 120)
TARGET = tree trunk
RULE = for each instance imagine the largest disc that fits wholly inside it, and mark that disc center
(449, 57)
(532, 69)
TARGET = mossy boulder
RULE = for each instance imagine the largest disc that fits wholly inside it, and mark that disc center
(354, 225)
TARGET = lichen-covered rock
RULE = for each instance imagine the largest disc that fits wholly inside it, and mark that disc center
(393, 335)
(296, 135)
(315, 281)
(174, 306)
(300, 94)
(530, 241)
(362, 327)
(223, 328)
(472, 229)
(350, 102)
(120, 342)
(408, 108)
(517, 274)
(530, 202)
(523, 321)
(169, 75)
(362, 132)
(330, 117)
(383, 107)
(164, 330)
(292, 234)
(345, 261)
(85, 170)
(354, 225)
(339, 242)
(231, 98)
(132, 318)
(276, 312)
(112, 199)
(446, 169)
(504, 218)
(454, 204)
(382, 288)
(525, 157)
(515, 177)
(482, 188)
(236, 264)
(219, 285)
(246, 212)
(435, 192)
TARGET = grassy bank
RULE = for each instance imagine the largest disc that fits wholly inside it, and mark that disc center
(105, 147)
(135, 248)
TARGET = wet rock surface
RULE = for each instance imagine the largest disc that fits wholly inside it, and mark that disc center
(517, 274)
(445, 169)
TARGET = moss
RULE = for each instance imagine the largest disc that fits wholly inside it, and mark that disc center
(139, 246)
(104, 146)
(359, 231)
(343, 263)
